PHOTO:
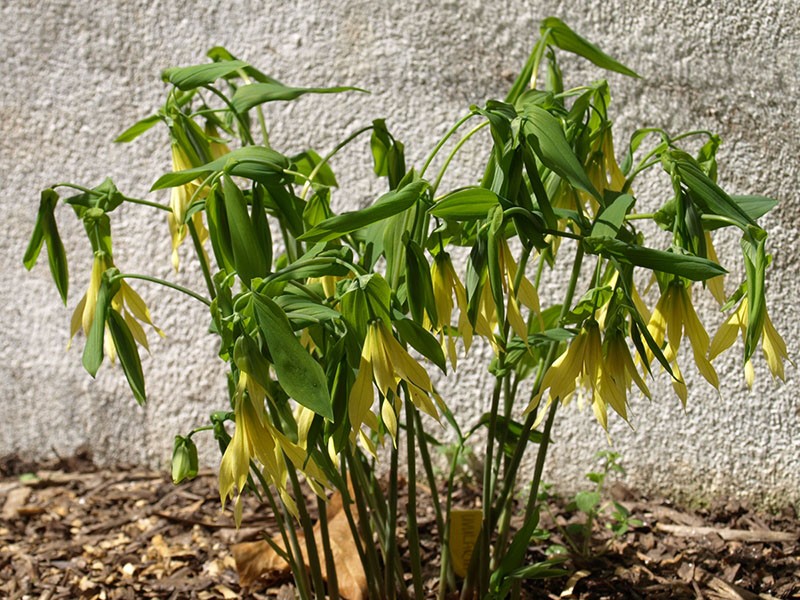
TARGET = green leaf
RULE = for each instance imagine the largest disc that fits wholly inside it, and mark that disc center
(546, 137)
(389, 204)
(128, 355)
(298, 373)
(189, 78)
(248, 96)
(422, 341)
(566, 39)
(305, 162)
(512, 428)
(45, 231)
(252, 162)
(47, 205)
(493, 262)
(465, 204)
(755, 206)
(56, 255)
(387, 153)
(93, 350)
(587, 501)
(289, 207)
(711, 197)
(684, 265)
(137, 129)
(610, 219)
(303, 313)
(419, 286)
(248, 257)
(221, 54)
(219, 231)
(515, 553)
(755, 263)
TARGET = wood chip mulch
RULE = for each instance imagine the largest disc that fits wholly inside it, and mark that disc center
(71, 530)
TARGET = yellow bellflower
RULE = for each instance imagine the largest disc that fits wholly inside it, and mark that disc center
(388, 363)
(126, 302)
(255, 438)
(179, 200)
(772, 343)
(602, 168)
(673, 317)
(580, 366)
(446, 286)
(525, 294)
(715, 285)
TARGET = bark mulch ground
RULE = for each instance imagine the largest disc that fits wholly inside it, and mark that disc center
(71, 530)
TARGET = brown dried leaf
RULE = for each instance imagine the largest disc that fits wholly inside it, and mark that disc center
(16, 499)
(254, 559)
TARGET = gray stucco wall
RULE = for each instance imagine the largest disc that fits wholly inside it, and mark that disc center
(78, 73)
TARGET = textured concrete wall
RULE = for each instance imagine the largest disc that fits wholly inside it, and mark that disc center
(78, 73)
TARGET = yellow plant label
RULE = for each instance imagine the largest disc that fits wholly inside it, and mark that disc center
(465, 526)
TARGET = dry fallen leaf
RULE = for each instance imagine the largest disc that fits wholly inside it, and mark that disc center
(15, 500)
(254, 559)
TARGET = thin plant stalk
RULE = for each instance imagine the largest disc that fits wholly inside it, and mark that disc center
(201, 257)
(372, 563)
(412, 526)
(391, 527)
(302, 581)
(308, 531)
(330, 565)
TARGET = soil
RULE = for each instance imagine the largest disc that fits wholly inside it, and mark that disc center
(69, 529)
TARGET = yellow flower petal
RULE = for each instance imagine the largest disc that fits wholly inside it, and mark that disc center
(75, 321)
(716, 285)
(361, 395)
(389, 419)
(774, 348)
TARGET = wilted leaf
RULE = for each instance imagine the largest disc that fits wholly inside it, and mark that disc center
(254, 559)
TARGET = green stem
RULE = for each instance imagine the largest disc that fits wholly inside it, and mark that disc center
(412, 527)
(201, 257)
(391, 528)
(445, 571)
(308, 531)
(372, 564)
(488, 488)
(330, 565)
(244, 131)
(443, 141)
(452, 154)
(328, 156)
(298, 568)
(86, 190)
(168, 284)
(519, 451)
(301, 575)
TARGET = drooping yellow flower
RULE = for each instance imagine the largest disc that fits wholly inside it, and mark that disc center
(673, 316)
(446, 287)
(602, 168)
(716, 285)
(255, 438)
(579, 367)
(524, 294)
(180, 198)
(601, 371)
(126, 302)
(772, 343)
(388, 363)
(618, 374)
